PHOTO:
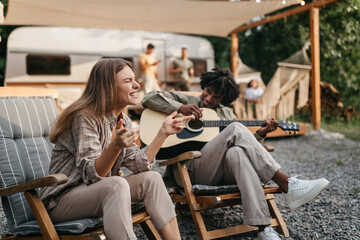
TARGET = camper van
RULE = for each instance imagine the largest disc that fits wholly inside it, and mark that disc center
(62, 57)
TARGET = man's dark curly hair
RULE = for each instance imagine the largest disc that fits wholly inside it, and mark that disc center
(222, 82)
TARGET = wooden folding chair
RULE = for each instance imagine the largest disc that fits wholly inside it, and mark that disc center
(25, 152)
(199, 203)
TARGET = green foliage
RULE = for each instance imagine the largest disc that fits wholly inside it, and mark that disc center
(340, 52)
(349, 129)
(339, 163)
(262, 47)
(4, 33)
(222, 48)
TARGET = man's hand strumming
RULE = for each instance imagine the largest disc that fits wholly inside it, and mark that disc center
(191, 109)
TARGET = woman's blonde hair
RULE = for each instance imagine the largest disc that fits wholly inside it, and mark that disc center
(99, 97)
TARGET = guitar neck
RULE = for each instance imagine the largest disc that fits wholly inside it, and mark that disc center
(224, 123)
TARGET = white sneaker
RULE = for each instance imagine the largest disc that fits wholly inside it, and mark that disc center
(303, 191)
(268, 234)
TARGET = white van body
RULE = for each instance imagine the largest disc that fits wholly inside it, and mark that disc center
(78, 49)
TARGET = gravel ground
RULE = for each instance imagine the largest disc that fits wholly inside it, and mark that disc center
(334, 214)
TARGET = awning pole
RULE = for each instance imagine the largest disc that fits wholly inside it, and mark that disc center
(234, 50)
(315, 63)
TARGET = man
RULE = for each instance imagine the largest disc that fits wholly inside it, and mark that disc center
(148, 63)
(235, 155)
(183, 71)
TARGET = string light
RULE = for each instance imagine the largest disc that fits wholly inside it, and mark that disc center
(302, 3)
(258, 1)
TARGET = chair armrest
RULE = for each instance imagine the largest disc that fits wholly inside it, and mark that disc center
(269, 148)
(182, 157)
(50, 180)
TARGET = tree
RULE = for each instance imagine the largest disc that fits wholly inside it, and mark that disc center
(262, 47)
(222, 50)
(339, 48)
(4, 33)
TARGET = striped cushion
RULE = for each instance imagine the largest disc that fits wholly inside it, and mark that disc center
(25, 152)
(24, 149)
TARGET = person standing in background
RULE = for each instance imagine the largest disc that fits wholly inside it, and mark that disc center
(183, 71)
(148, 63)
(253, 92)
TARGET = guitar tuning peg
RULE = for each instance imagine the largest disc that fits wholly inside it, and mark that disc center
(284, 132)
(290, 132)
(295, 133)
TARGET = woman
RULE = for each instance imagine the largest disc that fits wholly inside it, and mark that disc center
(92, 138)
(253, 92)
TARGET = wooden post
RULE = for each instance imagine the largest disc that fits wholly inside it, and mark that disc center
(234, 53)
(315, 63)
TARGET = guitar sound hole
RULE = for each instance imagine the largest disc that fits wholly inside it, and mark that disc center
(195, 124)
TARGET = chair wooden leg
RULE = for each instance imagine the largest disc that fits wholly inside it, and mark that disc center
(150, 230)
(196, 204)
(199, 222)
(275, 213)
(42, 217)
(143, 219)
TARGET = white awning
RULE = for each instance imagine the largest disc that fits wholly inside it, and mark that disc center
(217, 18)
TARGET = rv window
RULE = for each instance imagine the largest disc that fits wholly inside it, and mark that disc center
(47, 64)
(130, 59)
(199, 66)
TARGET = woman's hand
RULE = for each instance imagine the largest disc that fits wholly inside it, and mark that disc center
(173, 125)
(124, 137)
(170, 126)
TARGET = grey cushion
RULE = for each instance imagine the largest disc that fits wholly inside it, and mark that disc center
(214, 190)
(74, 227)
(25, 151)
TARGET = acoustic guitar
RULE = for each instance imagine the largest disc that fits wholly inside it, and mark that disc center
(196, 133)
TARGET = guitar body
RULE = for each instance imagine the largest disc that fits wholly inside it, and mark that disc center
(186, 140)
(196, 133)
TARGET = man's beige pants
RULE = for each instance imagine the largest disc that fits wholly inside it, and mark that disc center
(111, 198)
(236, 157)
(150, 83)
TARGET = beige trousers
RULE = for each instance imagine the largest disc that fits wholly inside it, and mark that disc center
(111, 199)
(150, 83)
(236, 157)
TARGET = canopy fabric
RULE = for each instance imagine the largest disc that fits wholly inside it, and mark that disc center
(216, 18)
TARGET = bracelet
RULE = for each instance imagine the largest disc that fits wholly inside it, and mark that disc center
(259, 134)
